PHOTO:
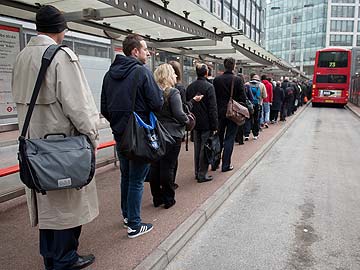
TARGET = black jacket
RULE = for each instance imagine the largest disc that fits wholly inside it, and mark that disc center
(205, 111)
(117, 90)
(288, 90)
(222, 86)
(278, 98)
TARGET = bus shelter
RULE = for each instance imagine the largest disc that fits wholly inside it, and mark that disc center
(179, 26)
(174, 30)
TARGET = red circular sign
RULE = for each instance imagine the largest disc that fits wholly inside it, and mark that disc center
(9, 109)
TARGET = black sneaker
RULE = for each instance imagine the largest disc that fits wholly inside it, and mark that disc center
(125, 224)
(142, 229)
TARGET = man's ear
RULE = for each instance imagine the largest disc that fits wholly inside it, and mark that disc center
(135, 52)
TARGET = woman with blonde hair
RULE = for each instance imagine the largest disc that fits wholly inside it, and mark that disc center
(173, 118)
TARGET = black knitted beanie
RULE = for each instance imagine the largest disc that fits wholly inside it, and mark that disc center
(50, 20)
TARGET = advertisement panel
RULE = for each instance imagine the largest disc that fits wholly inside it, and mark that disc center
(10, 46)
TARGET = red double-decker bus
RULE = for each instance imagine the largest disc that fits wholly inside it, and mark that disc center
(331, 76)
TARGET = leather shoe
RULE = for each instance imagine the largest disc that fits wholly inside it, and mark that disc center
(169, 204)
(204, 179)
(158, 202)
(83, 261)
(230, 168)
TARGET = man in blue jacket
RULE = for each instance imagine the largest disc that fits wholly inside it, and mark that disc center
(118, 87)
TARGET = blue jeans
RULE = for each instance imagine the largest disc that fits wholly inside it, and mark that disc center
(265, 115)
(133, 174)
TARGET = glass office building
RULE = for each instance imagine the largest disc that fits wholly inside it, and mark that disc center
(295, 29)
(246, 15)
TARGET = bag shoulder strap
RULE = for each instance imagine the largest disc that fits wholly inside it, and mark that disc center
(48, 56)
(232, 87)
(134, 88)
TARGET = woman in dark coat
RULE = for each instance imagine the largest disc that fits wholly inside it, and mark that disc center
(162, 172)
(278, 98)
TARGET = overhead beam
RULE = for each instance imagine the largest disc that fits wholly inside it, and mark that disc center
(157, 14)
(184, 43)
(95, 14)
(251, 55)
(210, 51)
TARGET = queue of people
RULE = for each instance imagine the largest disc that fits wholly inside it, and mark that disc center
(65, 105)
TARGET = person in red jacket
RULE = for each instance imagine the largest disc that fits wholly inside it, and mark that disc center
(265, 116)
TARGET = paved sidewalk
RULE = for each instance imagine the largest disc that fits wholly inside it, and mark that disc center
(354, 109)
(105, 237)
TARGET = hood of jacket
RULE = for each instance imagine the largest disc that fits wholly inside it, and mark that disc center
(122, 66)
(254, 82)
(266, 83)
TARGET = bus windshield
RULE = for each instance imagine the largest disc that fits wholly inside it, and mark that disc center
(333, 59)
(331, 78)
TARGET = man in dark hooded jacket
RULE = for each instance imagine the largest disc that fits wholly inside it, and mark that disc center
(128, 74)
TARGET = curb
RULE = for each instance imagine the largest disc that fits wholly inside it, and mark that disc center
(168, 249)
(352, 110)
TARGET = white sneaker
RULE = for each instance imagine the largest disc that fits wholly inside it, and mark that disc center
(255, 137)
(246, 138)
(125, 223)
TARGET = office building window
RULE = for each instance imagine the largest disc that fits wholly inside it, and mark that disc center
(242, 7)
(226, 13)
(341, 26)
(235, 21)
(253, 11)
(217, 7)
(341, 40)
(253, 37)
(342, 11)
(235, 4)
(206, 4)
(248, 9)
(247, 30)
(241, 25)
(358, 40)
(358, 28)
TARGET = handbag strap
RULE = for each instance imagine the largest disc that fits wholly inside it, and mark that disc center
(134, 88)
(48, 56)
(232, 87)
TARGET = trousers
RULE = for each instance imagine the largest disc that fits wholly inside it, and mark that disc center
(201, 163)
(163, 172)
(59, 247)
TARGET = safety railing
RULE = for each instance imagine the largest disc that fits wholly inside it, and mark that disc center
(15, 168)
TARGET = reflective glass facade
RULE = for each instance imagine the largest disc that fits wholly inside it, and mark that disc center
(295, 29)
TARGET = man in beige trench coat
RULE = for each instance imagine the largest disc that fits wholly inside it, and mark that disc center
(64, 105)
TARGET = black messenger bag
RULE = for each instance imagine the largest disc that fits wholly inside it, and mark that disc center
(56, 161)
